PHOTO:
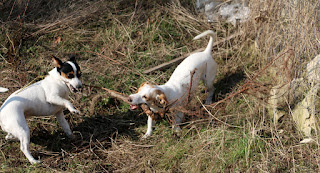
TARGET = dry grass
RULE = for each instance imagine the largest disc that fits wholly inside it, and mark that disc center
(116, 41)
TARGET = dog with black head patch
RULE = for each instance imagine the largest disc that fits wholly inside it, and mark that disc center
(46, 97)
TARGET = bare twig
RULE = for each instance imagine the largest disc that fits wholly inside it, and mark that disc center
(124, 98)
(14, 3)
(190, 85)
(112, 93)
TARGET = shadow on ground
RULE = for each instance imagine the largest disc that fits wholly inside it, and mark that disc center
(100, 130)
(226, 85)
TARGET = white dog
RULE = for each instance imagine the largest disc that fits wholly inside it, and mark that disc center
(2, 90)
(198, 66)
(46, 97)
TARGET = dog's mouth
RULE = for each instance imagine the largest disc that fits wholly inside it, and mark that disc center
(133, 107)
(71, 88)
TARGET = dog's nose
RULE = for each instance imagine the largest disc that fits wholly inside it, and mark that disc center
(79, 86)
(129, 99)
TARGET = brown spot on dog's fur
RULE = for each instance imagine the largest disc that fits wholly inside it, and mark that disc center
(67, 75)
(161, 97)
(64, 75)
(56, 62)
(143, 84)
(146, 98)
(157, 98)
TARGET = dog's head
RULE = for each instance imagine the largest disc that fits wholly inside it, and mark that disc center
(70, 73)
(149, 95)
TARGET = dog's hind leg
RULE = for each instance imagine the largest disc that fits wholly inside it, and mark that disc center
(208, 80)
(64, 124)
(210, 91)
(178, 119)
(24, 146)
(19, 129)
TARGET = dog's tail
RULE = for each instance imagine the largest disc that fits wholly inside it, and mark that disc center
(2, 90)
(211, 34)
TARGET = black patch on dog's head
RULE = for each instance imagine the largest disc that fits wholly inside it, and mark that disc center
(65, 69)
(72, 58)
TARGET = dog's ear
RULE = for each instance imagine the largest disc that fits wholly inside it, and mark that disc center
(161, 98)
(142, 85)
(56, 62)
(72, 58)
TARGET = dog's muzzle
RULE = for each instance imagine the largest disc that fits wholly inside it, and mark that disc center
(132, 107)
(73, 89)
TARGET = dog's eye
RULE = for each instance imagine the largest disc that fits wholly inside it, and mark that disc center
(79, 74)
(70, 75)
(145, 97)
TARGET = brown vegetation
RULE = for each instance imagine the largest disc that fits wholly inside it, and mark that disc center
(115, 41)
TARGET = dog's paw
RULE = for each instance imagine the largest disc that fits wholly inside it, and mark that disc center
(176, 129)
(72, 136)
(74, 111)
(35, 162)
(147, 135)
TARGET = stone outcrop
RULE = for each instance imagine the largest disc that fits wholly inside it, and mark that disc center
(300, 99)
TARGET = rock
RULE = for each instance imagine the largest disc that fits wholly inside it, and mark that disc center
(232, 12)
(300, 99)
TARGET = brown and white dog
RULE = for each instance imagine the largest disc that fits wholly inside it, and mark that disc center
(198, 66)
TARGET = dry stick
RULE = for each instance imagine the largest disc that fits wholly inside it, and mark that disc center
(44, 27)
(25, 9)
(250, 81)
(14, 3)
(191, 76)
(181, 58)
(124, 98)
(112, 93)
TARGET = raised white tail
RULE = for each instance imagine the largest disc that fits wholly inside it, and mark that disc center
(2, 90)
(211, 34)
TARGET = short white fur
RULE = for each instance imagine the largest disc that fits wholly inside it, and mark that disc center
(2, 90)
(46, 97)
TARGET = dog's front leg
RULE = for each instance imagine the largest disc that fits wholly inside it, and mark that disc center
(64, 124)
(62, 102)
(149, 131)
